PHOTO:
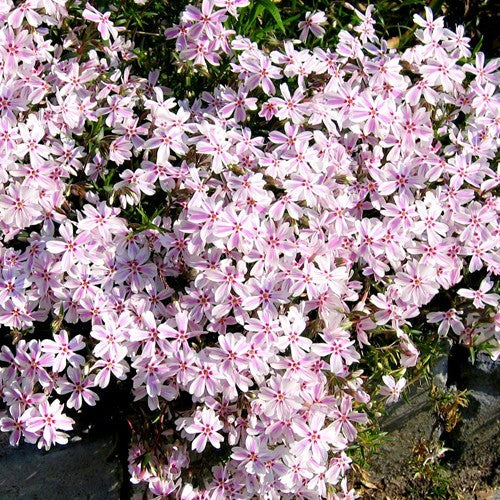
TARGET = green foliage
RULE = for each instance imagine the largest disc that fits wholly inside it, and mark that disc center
(368, 441)
(447, 405)
(259, 17)
(432, 478)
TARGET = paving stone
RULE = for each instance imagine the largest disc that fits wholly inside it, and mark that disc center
(87, 468)
(474, 459)
(477, 439)
(407, 421)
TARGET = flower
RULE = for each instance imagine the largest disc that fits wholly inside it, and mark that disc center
(63, 350)
(416, 284)
(446, 320)
(392, 389)
(16, 425)
(314, 440)
(480, 297)
(47, 421)
(248, 266)
(313, 23)
(253, 456)
(104, 25)
(17, 206)
(206, 424)
(279, 399)
(78, 385)
(343, 416)
(72, 248)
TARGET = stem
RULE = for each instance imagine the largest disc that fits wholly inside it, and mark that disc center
(144, 33)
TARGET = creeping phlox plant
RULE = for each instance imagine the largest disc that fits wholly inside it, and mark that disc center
(236, 255)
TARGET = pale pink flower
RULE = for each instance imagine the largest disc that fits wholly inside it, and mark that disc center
(416, 284)
(313, 23)
(205, 424)
(205, 378)
(115, 365)
(26, 11)
(253, 456)
(409, 353)
(16, 425)
(480, 297)
(340, 349)
(260, 71)
(79, 386)
(15, 47)
(48, 420)
(314, 439)
(392, 389)
(64, 350)
(237, 103)
(447, 319)
(343, 419)
(279, 399)
(18, 206)
(104, 25)
(71, 247)
(207, 20)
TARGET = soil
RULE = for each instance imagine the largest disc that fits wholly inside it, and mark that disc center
(469, 469)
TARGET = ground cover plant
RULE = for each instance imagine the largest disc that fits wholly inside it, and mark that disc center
(264, 240)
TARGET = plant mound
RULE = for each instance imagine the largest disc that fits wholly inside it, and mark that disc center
(261, 263)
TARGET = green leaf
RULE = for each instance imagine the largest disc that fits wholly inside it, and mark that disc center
(144, 218)
(255, 12)
(472, 355)
(100, 135)
(108, 178)
(293, 19)
(270, 6)
(146, 459)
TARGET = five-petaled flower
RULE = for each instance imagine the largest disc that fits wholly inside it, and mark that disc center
(205, 424)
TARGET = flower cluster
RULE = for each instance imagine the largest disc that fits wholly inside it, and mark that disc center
(319, 199)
